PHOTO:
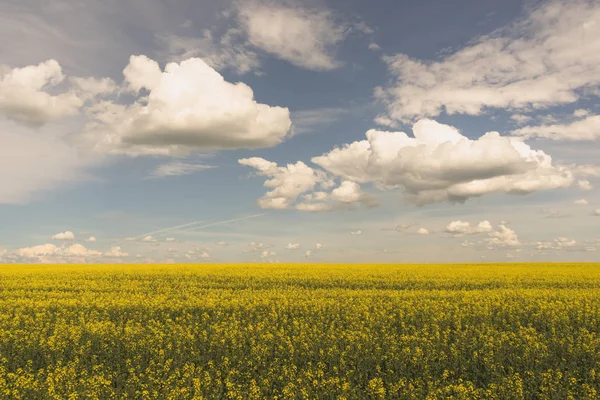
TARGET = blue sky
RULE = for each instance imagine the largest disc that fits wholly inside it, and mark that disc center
(292, 131)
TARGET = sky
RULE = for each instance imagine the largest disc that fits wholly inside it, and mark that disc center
(163, 131)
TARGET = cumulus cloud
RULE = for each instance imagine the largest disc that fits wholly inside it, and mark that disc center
(308, 254)
(25, 94)
(115, 252)
(356, 233)
(318, 246)
(440, 164)
(503, 237)
(178, 168)
(188, 107)
(597, 212)
(292, 246)
(290, 182)
(464, 228)
(581, 202)
(302, 36)
(557, 244)
(68, 235)
(543, 60)
(583, 129)
(423, 231)
(91, 239)
(49, 253)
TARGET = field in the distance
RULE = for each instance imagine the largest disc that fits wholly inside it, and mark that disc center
(506, 331)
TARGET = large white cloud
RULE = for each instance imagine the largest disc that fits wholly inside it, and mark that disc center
(50, 253)
(189, 106)
(304, 37)
(546, 59)
(439, 164)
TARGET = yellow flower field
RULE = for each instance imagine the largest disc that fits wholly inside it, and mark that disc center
(505, 331)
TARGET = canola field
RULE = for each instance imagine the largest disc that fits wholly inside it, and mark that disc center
(503, 331)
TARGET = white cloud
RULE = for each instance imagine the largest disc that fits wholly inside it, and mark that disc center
(597, 212)
(504, 237)
(91, 239)
(221, 243)
(49, 253)
(80, 251)
(581, 202)
(178, 168)
(318, 246)
(439, 164)
(170, 239)
(308, 253)
(115, 252)
(148, 239)
(465, 228)
(580, 113)
(189, 107)
(68, 235)
(25, 97)
(582, 129)
(356, 233)
(585, 185)
(543, 60)
(39, 251)
(302, 36)
(204, 255)
(557, 244)
(423, 231)
(287, 182)
(292, 246)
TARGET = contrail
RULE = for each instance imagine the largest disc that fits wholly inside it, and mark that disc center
(216, 223)
(168, 229)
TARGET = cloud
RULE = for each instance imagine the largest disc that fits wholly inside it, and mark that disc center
(581, 202)
(597, 212)
(25, 97)
(230, 52)
(221, 243)
(586, 129)
(423, 231)
(308, 254)
(178, 168)
(557, 244)
(585, 185)
(115, 252)
(292, 246)
(504, 237)
(318, 246)
(302, 36)
(356, 233)
(147, 239)
(287, 182)
(68, 235)
(439, 164)
(459, 228)
(520, 118)
(374, 47)
(189, 107)
(543, 60)
(50, 253)
(91, 239)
